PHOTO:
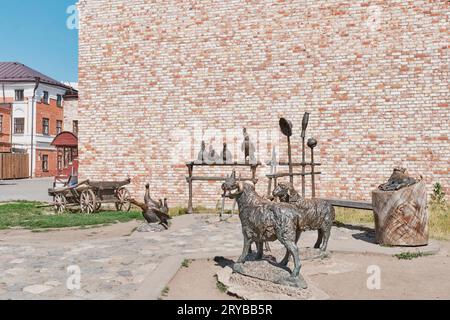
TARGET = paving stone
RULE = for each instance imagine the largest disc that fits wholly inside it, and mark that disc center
(15, 271)
(17, 261)
(37, 289)
(53, 283)
(125, 273)
(120, 266)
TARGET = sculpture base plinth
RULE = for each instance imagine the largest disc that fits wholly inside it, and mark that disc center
(249, 287)
(266, 271)
(151, 227)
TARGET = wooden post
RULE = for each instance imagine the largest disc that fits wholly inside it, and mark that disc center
(222, 211)
(269, 188)
(190, 206)
(253, 168)
(303, 168)
(313, 174)
(401, 217)
(291, 167)
(305, 123)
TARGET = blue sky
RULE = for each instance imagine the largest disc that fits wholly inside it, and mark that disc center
(35, 33)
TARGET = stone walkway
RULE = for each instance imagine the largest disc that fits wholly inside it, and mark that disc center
(136, 266)
(28, 189)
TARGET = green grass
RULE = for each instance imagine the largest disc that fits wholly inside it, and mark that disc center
(177, 211)
(354, 216)
(439, 221)
(222, 288)
(186, 263)
(180, 211)
(439, 224)
(165, 292)
(411, 255)
(28, 215)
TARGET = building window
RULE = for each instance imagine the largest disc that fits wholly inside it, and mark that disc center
(59, 125)
(75, 127)
(20, 96)
(59, 100)
(45, 98)
(1, 123)
(45, 163)
(19, 125)
(45, 127)
(60, 162)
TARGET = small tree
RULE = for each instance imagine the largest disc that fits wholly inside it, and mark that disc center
(438, 195)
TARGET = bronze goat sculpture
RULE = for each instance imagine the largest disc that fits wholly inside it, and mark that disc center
(265, 221)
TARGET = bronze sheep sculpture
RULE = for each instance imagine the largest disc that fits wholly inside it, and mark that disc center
(315, 214)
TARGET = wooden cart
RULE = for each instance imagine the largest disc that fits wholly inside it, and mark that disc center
(90, 195)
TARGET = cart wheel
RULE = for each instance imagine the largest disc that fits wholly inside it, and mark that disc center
(98, 206)
(123, 197)
(60, 203)
(88, 201)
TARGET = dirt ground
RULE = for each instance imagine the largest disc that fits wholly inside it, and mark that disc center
(420, 278)
(197, 282)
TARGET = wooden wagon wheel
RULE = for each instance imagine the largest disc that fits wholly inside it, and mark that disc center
(123, 197)
(59, 203)
(88, 201)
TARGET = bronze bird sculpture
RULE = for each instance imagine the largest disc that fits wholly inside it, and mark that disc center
(153, 211)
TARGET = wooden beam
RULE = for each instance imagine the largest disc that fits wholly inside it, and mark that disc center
(351, 204)
(281, 175)
(233, 164)
(213, 179)
(299, 164)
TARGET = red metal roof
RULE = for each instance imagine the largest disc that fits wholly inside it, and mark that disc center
(65, 139)
(17, 72)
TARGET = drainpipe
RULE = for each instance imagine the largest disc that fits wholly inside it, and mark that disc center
(33, 102)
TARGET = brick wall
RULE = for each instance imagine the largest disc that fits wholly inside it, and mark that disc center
(70, 113)
(373, 74)
(49, 111)
(5, 128)
(52, 163)
(54, 113)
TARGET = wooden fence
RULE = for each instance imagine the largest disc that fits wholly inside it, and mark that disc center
(14, 166)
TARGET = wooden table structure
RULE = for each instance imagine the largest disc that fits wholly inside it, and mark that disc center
(191, 178)
(273, 178)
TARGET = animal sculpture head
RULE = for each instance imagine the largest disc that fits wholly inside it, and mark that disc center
(282, 192)
(232, 187)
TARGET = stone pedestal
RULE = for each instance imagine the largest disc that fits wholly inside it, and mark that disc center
(267, 271)
(151, 227)
(401, 217)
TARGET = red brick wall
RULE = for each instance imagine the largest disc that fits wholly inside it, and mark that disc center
(50, 111)
(373, 74)
(52, 163)
(5, 130)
